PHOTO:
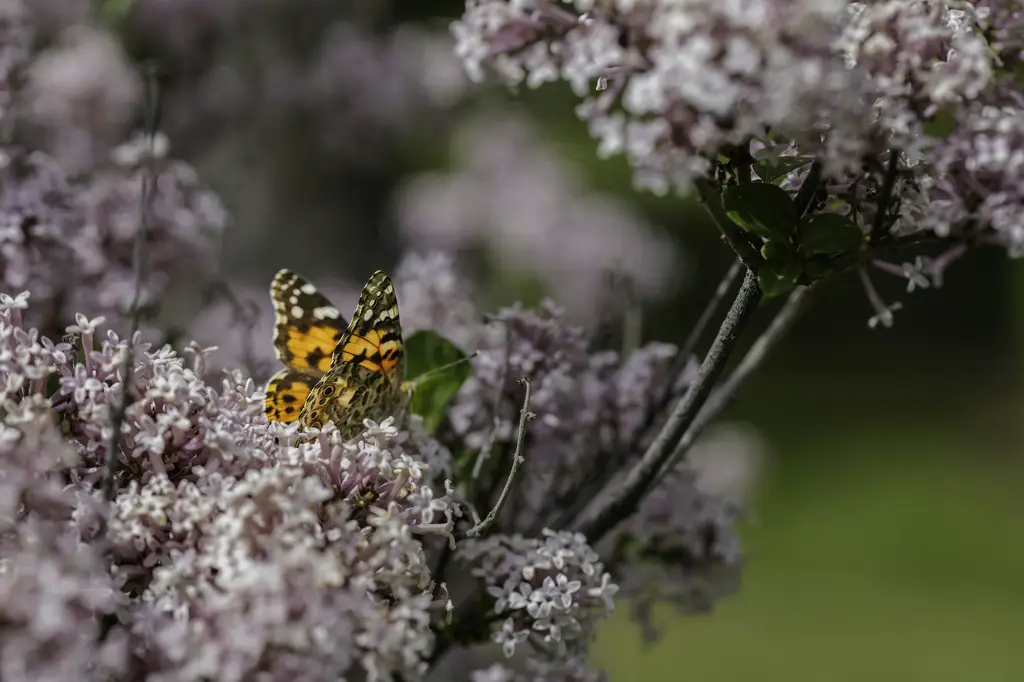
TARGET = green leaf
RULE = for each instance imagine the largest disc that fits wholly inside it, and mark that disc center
(777, 169)
(829, 233)
(777, 254)
(762, 209)
(819, 267)
(778, 281)
(438, 369)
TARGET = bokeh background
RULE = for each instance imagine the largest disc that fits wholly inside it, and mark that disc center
(885, 517)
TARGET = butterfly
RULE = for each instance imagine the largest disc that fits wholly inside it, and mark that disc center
(335, 371)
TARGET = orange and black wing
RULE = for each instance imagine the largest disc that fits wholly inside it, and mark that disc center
(373, 338)
(307, 326)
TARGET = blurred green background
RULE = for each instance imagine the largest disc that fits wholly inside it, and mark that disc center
(883, 540)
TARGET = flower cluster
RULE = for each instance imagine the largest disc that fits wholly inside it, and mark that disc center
(550, 591)
(238, 551)
(678, 80)
(353, 88)
(594, 415)
(500, 673)
(673, 85)
(72, 200)
(72, 242)
(513, 197)
(235, 548)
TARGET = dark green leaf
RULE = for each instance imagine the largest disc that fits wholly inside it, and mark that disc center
(762, 209)
(828, 233)
(777, 169)
(426, 356)
(817, 267)
(776, 282)
(778, 254)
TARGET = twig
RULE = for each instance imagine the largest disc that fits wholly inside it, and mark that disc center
(623, 501)
(517, 461)
(690, 344)
(632, 319)
(888, 184)
(492, 435)
(710, 195)
(109, 483)
(754, 358)
(661, 402)
(244, 314)
(883, 312)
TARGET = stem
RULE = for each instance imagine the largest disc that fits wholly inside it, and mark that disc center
(888, 184)
(754, 358)
(657, 406)
(517, 461)
(109, 483)
(624, 500)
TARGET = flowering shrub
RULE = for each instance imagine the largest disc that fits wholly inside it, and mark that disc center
(155, 526)
(231, 548)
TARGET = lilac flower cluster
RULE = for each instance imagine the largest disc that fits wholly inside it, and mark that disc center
(516, 200)
(71, 241)
(240, 549)
(671, 85)
(237, 551)
(352, 87)
(682, 79)
(550, 591)
(72, 179)
(592, 426)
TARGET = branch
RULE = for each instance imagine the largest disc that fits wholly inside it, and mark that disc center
(517, 461)
(488, 448)
(642, 477)
(109, 483)
(690, 345)
(754, 358)
(888, 184)
(656, 407)
(711, 196)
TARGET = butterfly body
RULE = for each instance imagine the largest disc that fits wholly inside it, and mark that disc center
(335, 371)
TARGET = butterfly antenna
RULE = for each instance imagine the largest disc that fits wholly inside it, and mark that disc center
(443, 368)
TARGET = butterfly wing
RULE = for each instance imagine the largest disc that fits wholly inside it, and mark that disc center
(367, 365)
(306, 330)
(286, 394)
(348, 394)
(373, 338)
(307, 327)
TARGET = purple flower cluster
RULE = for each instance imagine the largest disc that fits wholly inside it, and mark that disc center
(238, 549)
(513, 198)
(591, 427)
(676, 80)
(71, 241)
(672, 85)
(353, 88)
(549, 591)
(238, 552)
(71, 204)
